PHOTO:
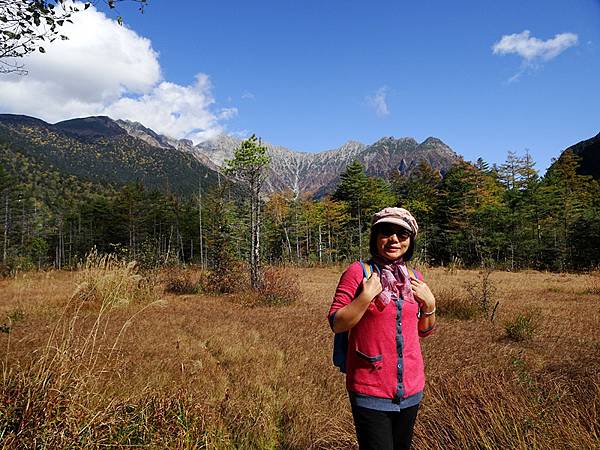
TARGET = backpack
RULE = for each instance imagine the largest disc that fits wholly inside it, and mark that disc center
(340, 340)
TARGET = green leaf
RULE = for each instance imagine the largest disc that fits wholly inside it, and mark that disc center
(120, 20)
(41, 49)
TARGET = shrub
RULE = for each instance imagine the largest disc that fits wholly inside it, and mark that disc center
(228, 278)
(14, 265)
(279, 287)
(522, 327)
(181, 281)
(483, 293)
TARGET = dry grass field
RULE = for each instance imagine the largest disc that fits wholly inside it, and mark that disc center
(104, 358)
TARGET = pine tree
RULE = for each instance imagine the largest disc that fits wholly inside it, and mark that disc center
(566, 196)
(249, 165)
(352, 189)
(420, 194)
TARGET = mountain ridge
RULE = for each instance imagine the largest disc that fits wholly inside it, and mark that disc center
(589, 152)
(307, 173)
(97, 149)
(317, 173)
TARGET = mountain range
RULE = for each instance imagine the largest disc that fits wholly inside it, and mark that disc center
(102, 150)
(314, 173)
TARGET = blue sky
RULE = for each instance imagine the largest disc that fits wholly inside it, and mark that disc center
(311, 75)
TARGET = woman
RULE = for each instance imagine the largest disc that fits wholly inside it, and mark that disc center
(385, 315)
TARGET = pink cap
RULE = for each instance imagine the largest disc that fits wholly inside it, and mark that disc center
(398, 216)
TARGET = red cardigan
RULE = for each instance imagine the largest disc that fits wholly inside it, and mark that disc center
(384, 354)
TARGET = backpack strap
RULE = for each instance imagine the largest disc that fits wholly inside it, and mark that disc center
(418, 275)
(367, 269)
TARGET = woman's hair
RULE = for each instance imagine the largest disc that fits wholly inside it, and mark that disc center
(373, 243)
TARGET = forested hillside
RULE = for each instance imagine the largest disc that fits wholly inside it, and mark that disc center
(589, 153)
(97, 149)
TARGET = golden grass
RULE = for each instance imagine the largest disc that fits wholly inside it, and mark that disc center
(202, 371)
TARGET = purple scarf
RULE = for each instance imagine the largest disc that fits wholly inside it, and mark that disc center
(395, 282)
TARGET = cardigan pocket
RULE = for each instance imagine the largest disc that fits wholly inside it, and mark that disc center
(375, 361)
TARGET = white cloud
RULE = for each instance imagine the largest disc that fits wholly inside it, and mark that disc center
(533, 49)
(248, 95)
(106, 68)
(378, 101)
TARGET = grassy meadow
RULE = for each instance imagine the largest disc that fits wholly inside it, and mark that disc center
(107, 358)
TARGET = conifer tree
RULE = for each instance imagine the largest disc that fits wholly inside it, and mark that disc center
(249, 165)
(567, 195)
(352, 189)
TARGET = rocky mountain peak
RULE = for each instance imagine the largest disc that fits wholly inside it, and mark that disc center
(432, 141)
(147, 135)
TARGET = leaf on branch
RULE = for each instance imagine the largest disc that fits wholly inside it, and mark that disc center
(86, 6)
(42, 50)
(120, 20)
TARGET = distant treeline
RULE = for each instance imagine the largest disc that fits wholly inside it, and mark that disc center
(475, 214)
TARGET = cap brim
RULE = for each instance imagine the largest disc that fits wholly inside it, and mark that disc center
(395, 221)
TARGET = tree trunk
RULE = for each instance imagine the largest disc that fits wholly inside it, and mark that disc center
(257, 276)
(307, 241)
(289, 244)
(329, 242)
(359, 233)
(320, 246)
(4, 251)
(200, 221)
(255, 237)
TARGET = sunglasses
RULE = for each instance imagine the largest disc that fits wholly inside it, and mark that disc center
(387, 229)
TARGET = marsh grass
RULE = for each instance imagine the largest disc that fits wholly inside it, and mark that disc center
(113, 281)
(593, 284)
(455, 303)
(200, 371)
(58, 396)
(523, 325)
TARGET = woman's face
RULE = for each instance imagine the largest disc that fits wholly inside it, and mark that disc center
(392, 241)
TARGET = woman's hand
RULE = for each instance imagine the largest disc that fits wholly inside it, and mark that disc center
(371, 287)
(349, 315)
(423, 294)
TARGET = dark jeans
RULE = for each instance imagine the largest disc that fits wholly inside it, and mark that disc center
(383, 430)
